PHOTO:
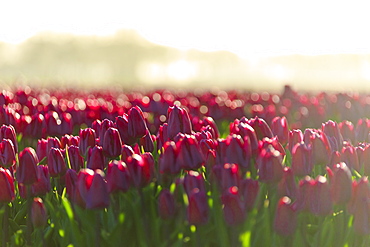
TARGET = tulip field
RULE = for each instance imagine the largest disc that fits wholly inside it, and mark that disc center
(184, 168)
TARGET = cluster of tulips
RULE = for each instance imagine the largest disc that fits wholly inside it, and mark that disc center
(184, 169)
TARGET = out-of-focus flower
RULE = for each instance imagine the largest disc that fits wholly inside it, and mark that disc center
(269, 164)
(233, 208)
(347, 129)
(8, 132)
(42, 148)
(237, 151)
(261, 127)
(287, 186)
(331, 129)
(6, 186)
(340, 183)
(349, 156)
(118, 178)
(166, 204)
(27, 170)
(193, 180)
(7, 153)
(197, 211)
(301, 160)
(295, 136)
(39, 215)
(320, 148)
(279, 127)
(362, 129)
(285, 222)
(249, 189)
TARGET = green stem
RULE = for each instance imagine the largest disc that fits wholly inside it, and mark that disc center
(29, 212)
(6, 224)
(98, 228)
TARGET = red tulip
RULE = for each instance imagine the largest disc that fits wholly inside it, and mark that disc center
(233, 208)
(8, 132)
(56, 162)
(27, 170)
(178, 121)
(112, 144)
(269, 164)
(136, 123)
(166, 204)
(6, 186)
(95, 158)
(7, 153)
(75, 159)
(118, 178)
(301, 160)
(279, 127)
(87, 139)
(285, 222)
(39, 216)
(197, 210)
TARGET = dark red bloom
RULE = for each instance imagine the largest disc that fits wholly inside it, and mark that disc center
(7, 153)
(75, 159)
(118, 178)
(285, 222)
(269, 164)
(8, 132)
(56, 162)
(95, 158)
(197, 211)
(301, 160)
(249, 188)
(112, 144)
(340, 183)
(136, 123)
(166, 204)
(87, 139)
(39, 216)
(140, 170)
(27, 170)
(178, 122)
(189, 154)
(233, 208)
(287, 185)
(6, 186)
(279, 127)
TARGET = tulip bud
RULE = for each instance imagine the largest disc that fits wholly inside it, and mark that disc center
(42, 186)
(87, 139)
(279, 127)
(75, 159)
(249, 188)
(333, 134)
(229, 176)
(301, 160)
(7, 153)
(105, 125)
(97, 196)
(233, 208)
(95, 158)
(320, 149)
(147, 143)
(237, 152)
(136, 123)
(27, 170)
(166, 204)
(42, 149)
(295, 136)
(287, 186)
(140, 170)
(39, 216)
(193, 180)
(261, 127)
(189, 155)
(285, 222)
(321, 202)
(178, 121)
(72, 188)
(269, 164)
(118, 178)
(167, 160)
(8, 132)
(210, 122)
(362, 129)
(246, 131)
(349, 156)
(56, 162)
(347, 129)
(197, 210)
(112, 144)
(6, 186)
(127, 151)
(341, 183)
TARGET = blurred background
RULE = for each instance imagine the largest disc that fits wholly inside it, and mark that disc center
(252, 45)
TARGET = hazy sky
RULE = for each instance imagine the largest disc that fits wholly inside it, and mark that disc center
(248, 28)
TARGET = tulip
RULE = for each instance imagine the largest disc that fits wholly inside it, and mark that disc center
(340, 183)
(87, 139)
(42, 186)
(285, 222)
(112, 143)
(53, 142)
(121, 124)
(331, 129)
(304, 195)
(193, 180)
(287, 185)
(347, 129)
(7, 153)
(27, 170)
(6, 186)
(279, 127)
(72, 189)
(136, 123)
(42, 148)
(362, 129)
(249, 189)
(95, 158)
(269, 164)
(233, 208)
(321, 202)
(229, 176)
(56, 163)
(211, 123)
(178, 121)
(105, 125)
(8, 132)
(36, 128)
(295, 136)
(39, 216)
(147, 143)
(166, 204)
(75, 159)
(127, 151)
(321, 149)
(301, 160)
(197, 211)
(118, 178)
(139, 169)
(349, 156)
(261, 127)
(237, 152)
(247, 132)
(189, 155)
(167, 160)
